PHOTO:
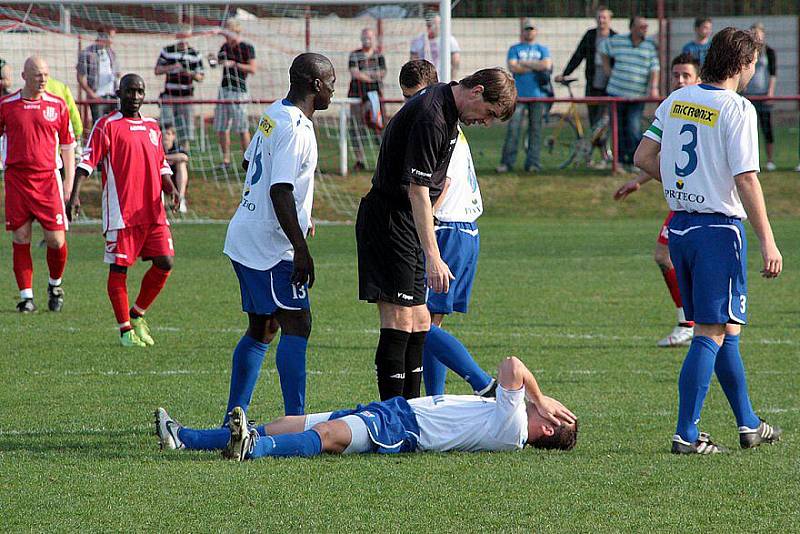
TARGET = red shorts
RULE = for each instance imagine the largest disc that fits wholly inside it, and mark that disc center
(34, 197)
(124, 246)
(663, 237)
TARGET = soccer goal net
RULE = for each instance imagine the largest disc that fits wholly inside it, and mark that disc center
(138, 34)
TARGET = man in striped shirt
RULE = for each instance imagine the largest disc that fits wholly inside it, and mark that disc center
(634, 75)
(183, 66)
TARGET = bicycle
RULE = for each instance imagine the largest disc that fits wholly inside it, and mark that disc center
(570, 142)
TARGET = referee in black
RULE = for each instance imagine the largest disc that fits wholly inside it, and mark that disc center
(397, 251)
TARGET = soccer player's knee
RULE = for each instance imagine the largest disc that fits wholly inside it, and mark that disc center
(296, 323)
(335, 436)
(165, 263)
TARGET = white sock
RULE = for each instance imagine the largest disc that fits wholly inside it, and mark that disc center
(54, 281)
(26, 293)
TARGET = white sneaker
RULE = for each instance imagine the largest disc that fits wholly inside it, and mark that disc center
(243, 438)
(797, 168)
(681, 336)
(167, 431)
(502, 168)
(183, 207)
(771, 166)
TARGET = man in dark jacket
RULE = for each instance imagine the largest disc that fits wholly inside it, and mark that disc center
(596, 79)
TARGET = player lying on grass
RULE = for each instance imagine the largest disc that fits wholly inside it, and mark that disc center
(520, 415)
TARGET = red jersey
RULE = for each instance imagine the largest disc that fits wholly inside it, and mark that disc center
(133, 162)
(34, 130)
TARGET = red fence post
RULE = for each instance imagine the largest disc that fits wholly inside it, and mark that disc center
(614, 138)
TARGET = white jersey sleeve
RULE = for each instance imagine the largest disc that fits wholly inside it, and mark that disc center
(741, 137)
(510, 419)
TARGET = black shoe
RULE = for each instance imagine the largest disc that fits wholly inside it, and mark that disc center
(26, 306)
(359, 166)
(55, 298)
(490, 392)
(703, 445)
(753, 437)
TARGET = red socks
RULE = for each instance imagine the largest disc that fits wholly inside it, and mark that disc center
(23, 267)
(152, 284)
(671, 280)
(56, 261)
(118, 295)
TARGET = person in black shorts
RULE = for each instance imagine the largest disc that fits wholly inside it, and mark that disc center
(397, 252)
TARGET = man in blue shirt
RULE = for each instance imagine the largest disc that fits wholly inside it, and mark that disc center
(698, 47)
(531, 64)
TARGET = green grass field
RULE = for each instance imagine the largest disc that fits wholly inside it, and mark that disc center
(566, 282)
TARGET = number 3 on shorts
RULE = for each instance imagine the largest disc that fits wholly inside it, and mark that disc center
(743, 303)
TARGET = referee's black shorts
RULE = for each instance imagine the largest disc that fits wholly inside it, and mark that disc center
(391, 264)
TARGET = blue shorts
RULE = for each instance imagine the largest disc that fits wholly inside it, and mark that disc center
(709, 252)
(263, 292)
(459, 243)
(391, 424)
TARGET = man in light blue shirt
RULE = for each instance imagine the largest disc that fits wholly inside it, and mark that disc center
(698, 47)
(531, 64)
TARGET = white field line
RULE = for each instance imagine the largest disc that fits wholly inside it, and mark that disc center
(375, 331)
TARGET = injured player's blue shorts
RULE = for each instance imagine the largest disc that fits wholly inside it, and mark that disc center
(391, 424)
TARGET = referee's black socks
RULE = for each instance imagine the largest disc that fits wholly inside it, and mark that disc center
(413, 366)
(390, 362)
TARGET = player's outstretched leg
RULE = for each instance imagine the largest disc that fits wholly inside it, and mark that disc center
(450, 351)
(730, 372)
(152, 283)
(172, 435)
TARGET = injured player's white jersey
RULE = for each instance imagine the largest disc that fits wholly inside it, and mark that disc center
(471, 423)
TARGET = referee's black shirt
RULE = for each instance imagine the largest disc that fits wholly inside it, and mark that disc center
(417, 145)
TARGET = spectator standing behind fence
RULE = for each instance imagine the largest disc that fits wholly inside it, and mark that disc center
(698, 47)
(183, 66)
(763, 83)
(531, 64)
(634, 75)
(367, 70)
(426, 45)
(98, 72)
(589, 50)
(238, 60)
(5, 78)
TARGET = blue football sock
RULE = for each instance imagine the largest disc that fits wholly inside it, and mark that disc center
(730, 372)
(247, 359)
(305, 444)
(693, 385)
(290, 359)
(211, 439)
(434, 372)
(451, 352)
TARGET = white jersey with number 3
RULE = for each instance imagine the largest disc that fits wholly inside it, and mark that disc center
(283, 150)
(708, 135)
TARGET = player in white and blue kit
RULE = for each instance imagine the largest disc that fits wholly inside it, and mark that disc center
(266, 239)
(455, 213)
(520, 415)
(708, 166)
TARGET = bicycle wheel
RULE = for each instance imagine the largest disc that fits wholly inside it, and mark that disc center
(560, 141)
